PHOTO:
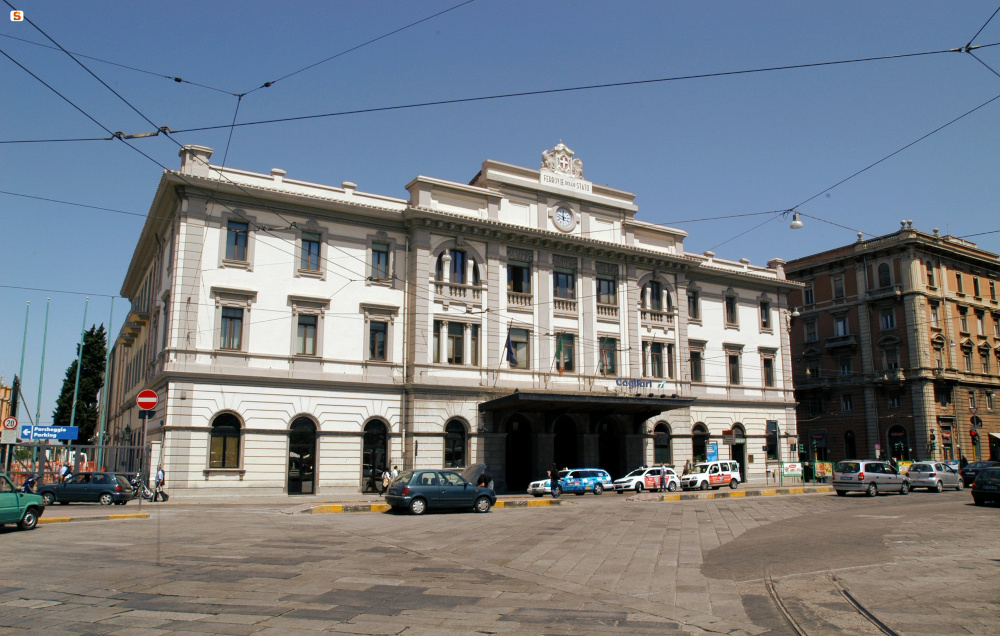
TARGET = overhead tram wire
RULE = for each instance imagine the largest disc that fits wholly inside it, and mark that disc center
(174, 78)
(973, 39)
(355, 48)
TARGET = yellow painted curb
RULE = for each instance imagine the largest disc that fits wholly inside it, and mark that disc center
(671, 497)
(133, 515)
(54, 520)
(380, 507)
(768, 491)
(327, 508)
(737, 493)
(796, 491)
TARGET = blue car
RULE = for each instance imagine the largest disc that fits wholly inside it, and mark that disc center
(421, 489)
(576, 480)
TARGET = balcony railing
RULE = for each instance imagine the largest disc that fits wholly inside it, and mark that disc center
(882, 292)
(607, 310)
(561, 304)
(457, 290)
(517, 299)
(658, 317)
(841, 341)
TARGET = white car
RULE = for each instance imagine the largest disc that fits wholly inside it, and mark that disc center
(712, 475)
(643, 478)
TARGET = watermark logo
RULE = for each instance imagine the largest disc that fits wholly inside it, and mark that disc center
(17, 16)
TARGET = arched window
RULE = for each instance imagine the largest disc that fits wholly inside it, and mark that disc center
(460, 266)
(301, 456)
(454, 444)
(699, 439)
(225, 442)
(850, 445)
(899, 446)
(884, 276)
(652, 296)
(661, 444)
(375, 452)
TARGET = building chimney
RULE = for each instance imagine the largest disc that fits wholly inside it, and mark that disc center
(194, 160)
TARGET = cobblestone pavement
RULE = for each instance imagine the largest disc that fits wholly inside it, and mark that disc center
(596, 565)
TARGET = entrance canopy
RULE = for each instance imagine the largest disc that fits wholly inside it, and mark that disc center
(640, 408)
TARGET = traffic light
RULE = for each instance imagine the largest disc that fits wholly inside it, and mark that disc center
(975, 437)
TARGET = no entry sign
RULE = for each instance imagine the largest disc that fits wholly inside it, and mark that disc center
(146, 400)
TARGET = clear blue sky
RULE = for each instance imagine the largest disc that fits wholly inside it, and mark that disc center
(689, 149)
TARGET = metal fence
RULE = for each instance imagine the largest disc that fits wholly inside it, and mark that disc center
(45, 461)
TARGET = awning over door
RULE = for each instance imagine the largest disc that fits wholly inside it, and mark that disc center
(638, 407)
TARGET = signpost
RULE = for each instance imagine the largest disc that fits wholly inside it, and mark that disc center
(146, 400)
(9, 431)
(49, 432)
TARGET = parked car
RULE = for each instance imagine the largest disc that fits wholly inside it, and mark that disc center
(714, 475)
(643, 478)
(971, 470)
(986, 487)
(869, 476)
(424, 489)
(934, 476)
(22, 508)
(106, 488)
(575, 480)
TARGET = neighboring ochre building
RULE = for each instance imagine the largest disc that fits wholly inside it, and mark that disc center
(301, 336)
(896, 351)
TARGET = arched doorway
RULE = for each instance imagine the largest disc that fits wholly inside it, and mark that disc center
(739, 449)
(519, 460)
(454, 445)
(609, 448)
(564, 442)
(301, 457)
(699, 440)
(899, 446)
(374, 455)
(662, 453)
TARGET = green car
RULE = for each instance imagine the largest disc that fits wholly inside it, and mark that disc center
(24, 509)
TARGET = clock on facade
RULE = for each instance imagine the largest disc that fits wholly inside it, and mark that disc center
(564, 218)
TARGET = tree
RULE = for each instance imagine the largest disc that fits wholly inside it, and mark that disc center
(91, 381)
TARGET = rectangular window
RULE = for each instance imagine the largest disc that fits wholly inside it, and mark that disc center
(993, 290)
(838, 287)
(846, 364)
(989, 401)
(670, 361)
(959, 284)
(846, 402)
(975, 287)
(519, 339)
(655, 291)
(310, 251)
(765, 315)
(980, 323)
(888, 318)
(967, 359)
(840, 326)
(935, 315)
(811, 334)
(306, 339)
(812, 369)
(694, 308)
(734, 368)
(895, 400)
(768, 371)
(236, 240)
(697, 373)
(232, 329)
(891, 358)
(607, 365)
(519, 277)
(564, 352)
(474, 345)
(942, 396)
(564, 281)
(972, 400)
(607, 293)
(963, 319)
(380, 261)
(377, 337)
(984, 361)
(654, 351)
(732, 317)
(996, 325)
(930, 274)
(456, 342)
(809, 295)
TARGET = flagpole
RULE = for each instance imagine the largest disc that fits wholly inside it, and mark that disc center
(506, 350)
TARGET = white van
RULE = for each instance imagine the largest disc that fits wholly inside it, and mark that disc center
(712, 475)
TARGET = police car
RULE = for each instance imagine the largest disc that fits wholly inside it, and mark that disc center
(643, 478)
(577, 481)
(712, 475)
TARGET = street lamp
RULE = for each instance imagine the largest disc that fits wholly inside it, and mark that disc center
(797, 223)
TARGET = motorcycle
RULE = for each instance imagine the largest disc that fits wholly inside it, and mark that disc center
(28, 486)
(140, 489)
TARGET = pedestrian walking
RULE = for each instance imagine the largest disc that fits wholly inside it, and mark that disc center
(161, 480)
(395, 472)
(386, 479)
(663, 476)
(65, 472)
(962, 463)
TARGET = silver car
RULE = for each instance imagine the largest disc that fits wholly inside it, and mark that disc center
(934, 476)
(869, 476)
